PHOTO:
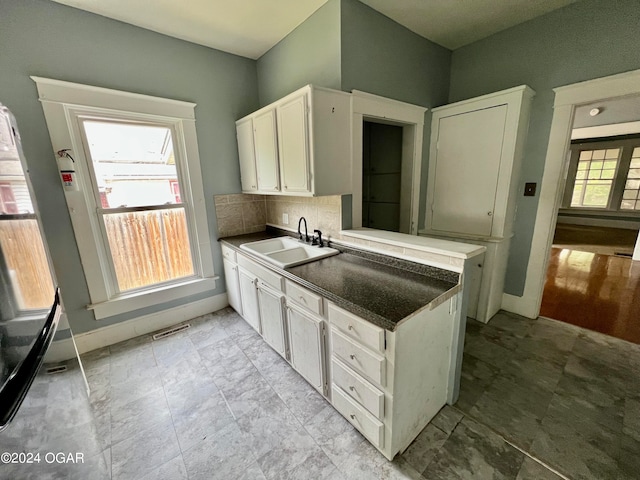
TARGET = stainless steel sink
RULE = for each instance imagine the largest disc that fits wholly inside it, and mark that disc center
(287, 252)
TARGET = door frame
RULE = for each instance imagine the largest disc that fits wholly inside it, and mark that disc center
(567, 98)
(373, 108)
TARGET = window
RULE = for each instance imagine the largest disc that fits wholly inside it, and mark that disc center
(139, 217)
(604, 175)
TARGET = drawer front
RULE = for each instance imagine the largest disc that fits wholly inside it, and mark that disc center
(270, 278)
(367, 424)
(358, 388)
(363, 331)
(363, 361)
(228, 253)
(304, 297)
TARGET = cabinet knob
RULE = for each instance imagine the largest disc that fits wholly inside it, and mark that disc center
(353, 357)
(490, 213)
(352, 388)
(350, 327)
(302, 299)
(353, 417)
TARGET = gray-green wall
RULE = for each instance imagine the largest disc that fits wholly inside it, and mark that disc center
(586, 40)
(43, 38)
(309, 54)
(382, 57)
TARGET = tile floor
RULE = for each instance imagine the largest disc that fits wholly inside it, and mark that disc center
(216, 402)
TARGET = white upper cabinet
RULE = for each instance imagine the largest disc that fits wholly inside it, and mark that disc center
(266, 157)
(301, 144)
(474, 164)
(293, 140)
(246, 152)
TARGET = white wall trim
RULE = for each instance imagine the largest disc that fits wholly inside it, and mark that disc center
(411, 117)
(87, 95)
(567, 98)
(119, 332)
(605, 130)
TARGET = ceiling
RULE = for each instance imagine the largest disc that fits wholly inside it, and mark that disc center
(251, 27)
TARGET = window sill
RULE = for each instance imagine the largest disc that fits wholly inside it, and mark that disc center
(135, 301)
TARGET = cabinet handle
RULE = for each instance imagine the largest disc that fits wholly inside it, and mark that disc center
(353, 357)
(302, 299)
(350, 327)
(353, 417)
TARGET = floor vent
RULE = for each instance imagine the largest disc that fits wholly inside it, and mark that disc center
(58, 369)
(171, 331)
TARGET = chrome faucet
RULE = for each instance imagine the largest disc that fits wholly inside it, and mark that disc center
(306, 233)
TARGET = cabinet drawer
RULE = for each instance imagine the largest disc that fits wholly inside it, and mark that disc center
(363, 331)
(358, 388)
(367, 424)
(304, 297)
(228, 253)
(364, 361)
(267, 276)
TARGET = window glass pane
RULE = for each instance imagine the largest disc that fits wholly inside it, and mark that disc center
(634, 173)
(576, 198)
(134, 164)
(635, 163)
(583, 165)
(594, 174)
(638, 205)
(633, 184)
(630, 194)
(596, 194)
(149, 247)
(606, 174)
(612, 153)
(585, 155)
(581, 175)
(596, 165)
(636, 152)
(627, 205)
(610, 164)
(598, 154)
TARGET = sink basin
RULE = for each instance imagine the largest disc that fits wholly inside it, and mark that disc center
(287, 252)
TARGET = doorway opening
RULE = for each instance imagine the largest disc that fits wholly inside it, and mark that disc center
(591, 279)
(387, 163)
(381, 176)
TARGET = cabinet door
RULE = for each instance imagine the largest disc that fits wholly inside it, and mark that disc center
(249, 299)
(247, 155)
(272, 318)
(233, 285)
(305, 343)
(469, 149)
(266, 145)
(293, 145)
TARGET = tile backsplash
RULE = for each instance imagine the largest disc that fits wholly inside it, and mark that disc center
(240, 213)
(322, 213)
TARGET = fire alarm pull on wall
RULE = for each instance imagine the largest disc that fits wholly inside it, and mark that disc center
(66, 166)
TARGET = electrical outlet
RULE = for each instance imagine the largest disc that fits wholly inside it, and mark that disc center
(285, 219)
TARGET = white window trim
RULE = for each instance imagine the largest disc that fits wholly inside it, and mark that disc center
(61, 102)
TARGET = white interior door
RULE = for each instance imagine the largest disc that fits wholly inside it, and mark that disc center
(468, 157)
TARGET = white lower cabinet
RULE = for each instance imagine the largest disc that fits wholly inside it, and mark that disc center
(233, 285)
(387, 384)
(249, 298)
(271, 305)
(307, 346)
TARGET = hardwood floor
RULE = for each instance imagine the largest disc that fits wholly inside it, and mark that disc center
(598, 292)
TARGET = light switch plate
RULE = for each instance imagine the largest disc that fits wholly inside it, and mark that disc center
(285, 219)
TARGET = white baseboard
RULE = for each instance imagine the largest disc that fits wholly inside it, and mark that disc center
(60, 350)
(105, 336)
(519, 305)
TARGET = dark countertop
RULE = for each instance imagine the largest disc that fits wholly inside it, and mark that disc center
(381, 289)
